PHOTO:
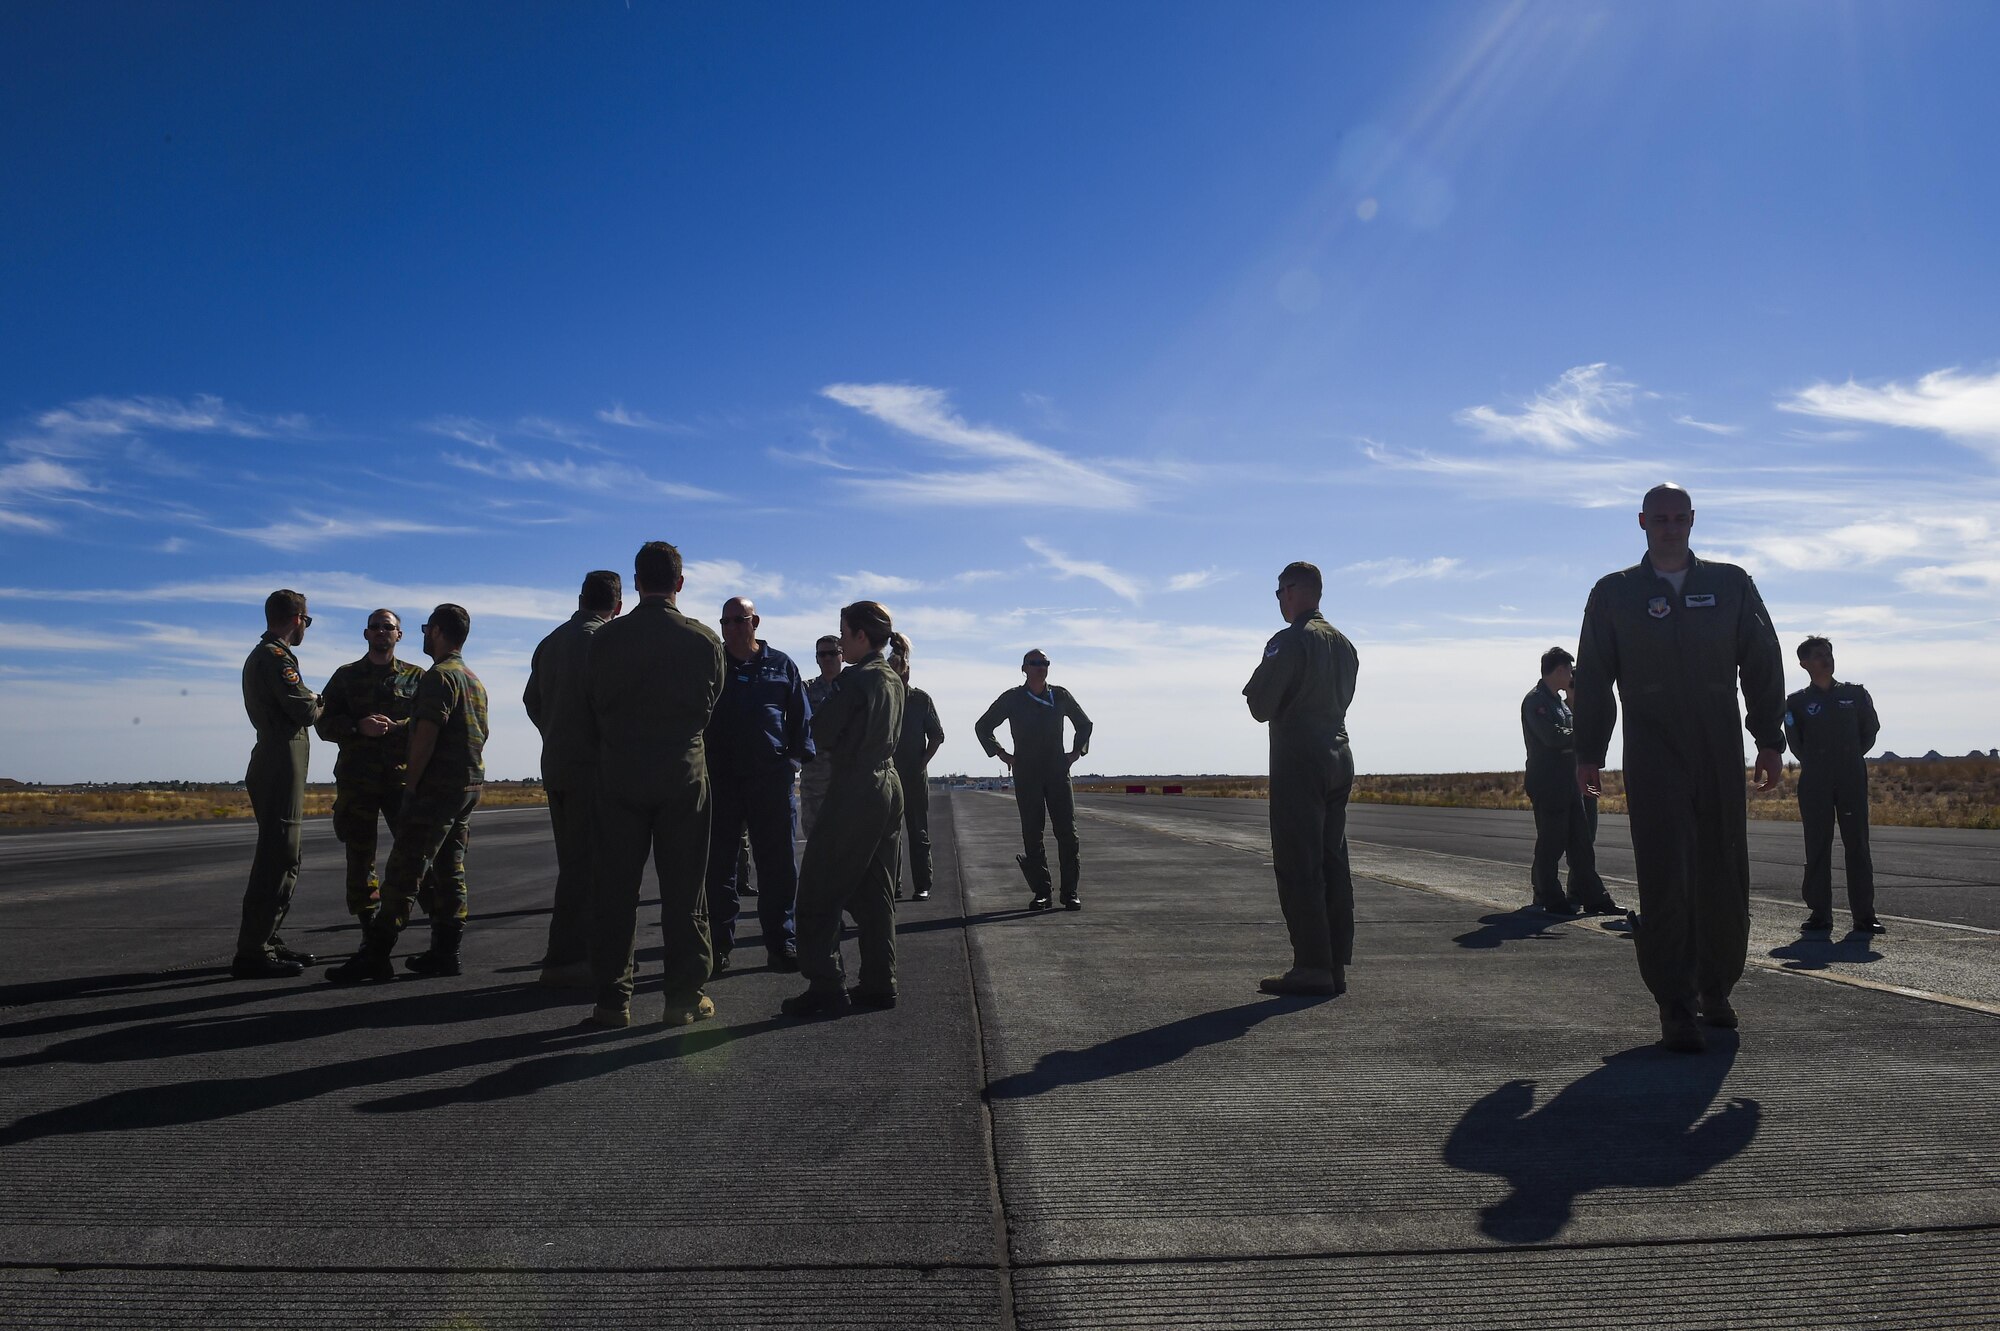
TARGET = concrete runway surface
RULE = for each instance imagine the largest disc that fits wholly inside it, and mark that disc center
(1072, 1120)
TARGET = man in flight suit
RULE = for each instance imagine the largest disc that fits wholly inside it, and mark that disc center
(447, 769)
(756, 739)
(1831, 727)
(1563, 825)
(1034, 713)
(1303, 687)
(282, 709)
(558, 705)
(1674, 634)
(367, 713)
(654, 676)
(814, 775)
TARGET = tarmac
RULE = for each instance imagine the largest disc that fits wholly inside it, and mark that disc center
(1072, 1120)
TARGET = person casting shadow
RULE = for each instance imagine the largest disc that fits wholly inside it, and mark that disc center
(1509, 927)
(1140, 1050)
(1816, 954)
(1646, 1121)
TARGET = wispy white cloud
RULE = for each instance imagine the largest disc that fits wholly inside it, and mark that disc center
(466, 430)
(1387, 572)
(306, 530)
(1710, 426)
(606, 478)
(1199, 578)
(1594, 482)
(1962, 407)
(205, 414)
(1066, 568)
(1575, 410)
(1972, 577)
(1025, 472)
(620, 415)
(32, 479)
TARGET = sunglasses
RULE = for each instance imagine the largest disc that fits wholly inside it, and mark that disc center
(306, 621)
(1035, 665)
(383, 628)
(737, 619)
(827, 651)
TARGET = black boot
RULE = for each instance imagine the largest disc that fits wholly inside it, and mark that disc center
(370, 965)
(442, 959)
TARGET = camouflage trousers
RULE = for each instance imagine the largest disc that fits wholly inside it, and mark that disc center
(431, 838)
(359, 809)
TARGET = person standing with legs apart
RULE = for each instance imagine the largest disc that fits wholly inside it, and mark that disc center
(755, 742)
(447, 768)
(653, 679)
(367, 713)
(1034, 713)
(1302, 687)
(559, 705)
(1563, 825)
(1831, 727)
(282, 710)
(922, 735)
(851, 859)
(1674, 634)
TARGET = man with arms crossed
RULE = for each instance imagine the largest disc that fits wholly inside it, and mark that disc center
(1675, 634)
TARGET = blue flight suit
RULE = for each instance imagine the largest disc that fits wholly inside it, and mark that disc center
(760, 733)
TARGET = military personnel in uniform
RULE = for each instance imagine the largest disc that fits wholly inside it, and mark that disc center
(922, 735)
(1302, 687)
(1674, 634)
(1831, 727)
(850, 862)
(1035, 713)
(367, 713)
(1563, 825)
(654, 677)
(447, 768)
(814, 775)
(282, 709)
(559, 706)
(756, 740)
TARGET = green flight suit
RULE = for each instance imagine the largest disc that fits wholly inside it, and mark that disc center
(1676, 658)
(653, 677)
(1303, 687)
(368, 775)
(814, 773)
(1041, 776)
(559, 706)
(921, 729)
(434, 829)
(282, 709)
(850, 860)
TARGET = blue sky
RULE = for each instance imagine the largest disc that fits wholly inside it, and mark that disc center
(1049, 325)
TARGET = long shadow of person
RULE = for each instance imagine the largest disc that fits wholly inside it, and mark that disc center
(1640, 1121)
(1141, 1049)
(1510, 927)
(1816, 954)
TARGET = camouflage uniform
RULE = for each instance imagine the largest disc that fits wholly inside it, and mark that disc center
(433, 832)
(368, 775)
(282, 708)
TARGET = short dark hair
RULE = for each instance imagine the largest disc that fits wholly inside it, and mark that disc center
(454, 622)
(602, 589)
(1556, 656)
(657, 568)
(1815, 643)
(870, 618)
(385, 610)
(1300, 571)
(281, 605)
(1662, 491)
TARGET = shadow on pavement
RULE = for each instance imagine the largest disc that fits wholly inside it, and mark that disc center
(1816, 954)
(1640, 1121)
(207, 1100)
(551, 1070)
(1512, 927)
(413, 1002)
(1142, 1049)
(937, 922)
(97, 986)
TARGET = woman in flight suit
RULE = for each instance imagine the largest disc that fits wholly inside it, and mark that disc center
(922, 734)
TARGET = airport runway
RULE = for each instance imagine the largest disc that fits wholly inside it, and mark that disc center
(1071, 1121)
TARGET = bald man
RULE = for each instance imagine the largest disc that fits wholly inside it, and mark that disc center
(1674, 634)
(759, 735)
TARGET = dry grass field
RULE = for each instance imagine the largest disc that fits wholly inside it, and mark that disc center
(178, 802)
(1956, 792)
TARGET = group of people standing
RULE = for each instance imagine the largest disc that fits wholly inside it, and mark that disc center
(662, 739)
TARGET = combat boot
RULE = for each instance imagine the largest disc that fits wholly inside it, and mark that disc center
(1678, 1030)
(442, 959)
(369, 965)
(1305, 980)
(1716, 1011)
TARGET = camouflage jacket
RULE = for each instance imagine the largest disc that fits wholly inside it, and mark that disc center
(362, 688)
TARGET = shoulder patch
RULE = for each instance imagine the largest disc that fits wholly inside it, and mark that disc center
(275, 650)
(291, 675)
